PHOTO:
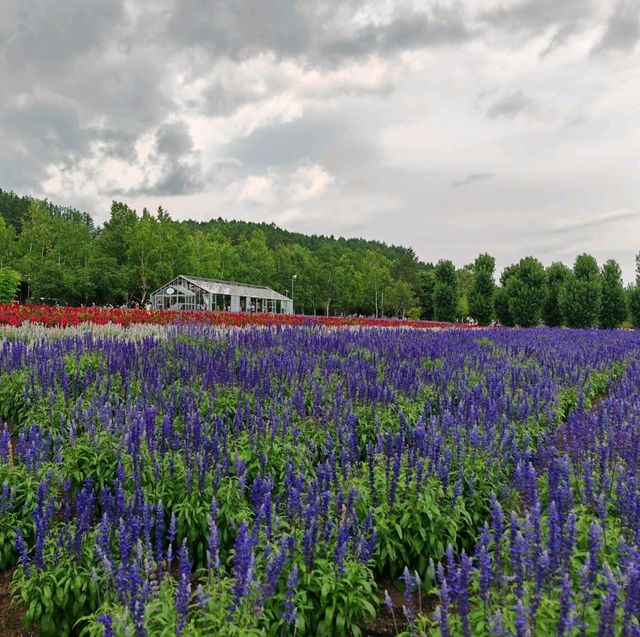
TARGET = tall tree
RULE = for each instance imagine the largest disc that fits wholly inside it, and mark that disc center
(464, 276)
(613, 309)
(501, 299)
(116, 235)
(581, 294)
(481, 295)
(445, 292)
(377, 279)
(634, 296)
(427, 282)
(144, 257)
(256, 263)
(9, 281)
(7, 239)
(557, 275)
(527, 291)
(401, 299)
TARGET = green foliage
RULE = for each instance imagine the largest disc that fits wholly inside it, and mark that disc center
(445, 292)
(59, 595)
(557, 274)
(464, 278)
(633, 298)
(68, 262)
(427, 279)
(501, 305)
(526, 288)
(580, 295)
(7, 239)
(334, 603)
(614, 303)
(481, 299)
(9, 281)
(13, 408)
(22, 486)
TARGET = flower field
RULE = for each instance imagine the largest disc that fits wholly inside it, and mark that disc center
(14, 314)
(298, 480)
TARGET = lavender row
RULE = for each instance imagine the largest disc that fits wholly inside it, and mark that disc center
(567, 559)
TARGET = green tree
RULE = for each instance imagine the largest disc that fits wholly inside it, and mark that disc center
(376, 280)
(481, 295)
(427, 282)
(7, 239)
(557, 275)
(9, 281)
(613, 310)
(633, 296)
(256, 263)
(293, 259)
(445, 292)
(48, 284)
(581, 294)
(401, 299)
(144, 256)
(501, 306)
(464, 276)
(348, 286)
(501, 299)
(527, 291)
(52, 252)
(116, 235)
(105, 276)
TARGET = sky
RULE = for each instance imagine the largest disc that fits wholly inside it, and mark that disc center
(453, 127)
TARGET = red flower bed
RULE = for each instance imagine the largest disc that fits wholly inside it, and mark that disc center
(14, 314)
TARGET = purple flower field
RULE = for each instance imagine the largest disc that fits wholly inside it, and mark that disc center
(275, 481)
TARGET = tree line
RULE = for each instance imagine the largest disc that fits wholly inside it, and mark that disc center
(68, 260)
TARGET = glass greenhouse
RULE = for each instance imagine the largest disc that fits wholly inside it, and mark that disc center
(195, 293)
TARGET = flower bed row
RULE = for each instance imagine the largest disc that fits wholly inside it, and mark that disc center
(15, 314)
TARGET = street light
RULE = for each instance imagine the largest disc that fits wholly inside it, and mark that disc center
(293, 278)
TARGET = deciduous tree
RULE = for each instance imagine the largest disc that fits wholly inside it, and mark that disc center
(481, 296)
(527, 291)
(445, 292)
(614, 303)
(581, 294)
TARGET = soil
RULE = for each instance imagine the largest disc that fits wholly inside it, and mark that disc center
(383, 625)
(10, 613)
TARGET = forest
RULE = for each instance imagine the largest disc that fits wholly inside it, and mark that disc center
(67, 259)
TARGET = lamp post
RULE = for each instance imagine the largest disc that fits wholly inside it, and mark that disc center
(293, 278)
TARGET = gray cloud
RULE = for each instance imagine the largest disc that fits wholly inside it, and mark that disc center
(406, 31)
(43, 35)
(510, 105)
(331, 141)
(204, 102)
(581, 224)
(623, 28)
(557, 40)
(174, 140)
(472, 178)
(536, 16)
(179, 165)
(320, 33)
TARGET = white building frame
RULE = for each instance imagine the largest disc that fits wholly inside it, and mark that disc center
(195, 293)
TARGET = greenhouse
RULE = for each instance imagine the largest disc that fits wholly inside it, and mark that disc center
(195, 293)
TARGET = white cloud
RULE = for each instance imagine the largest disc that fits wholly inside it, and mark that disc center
(309, 182)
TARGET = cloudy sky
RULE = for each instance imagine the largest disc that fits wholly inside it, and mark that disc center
(510, 126)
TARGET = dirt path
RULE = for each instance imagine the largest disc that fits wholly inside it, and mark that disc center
(11, 614)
